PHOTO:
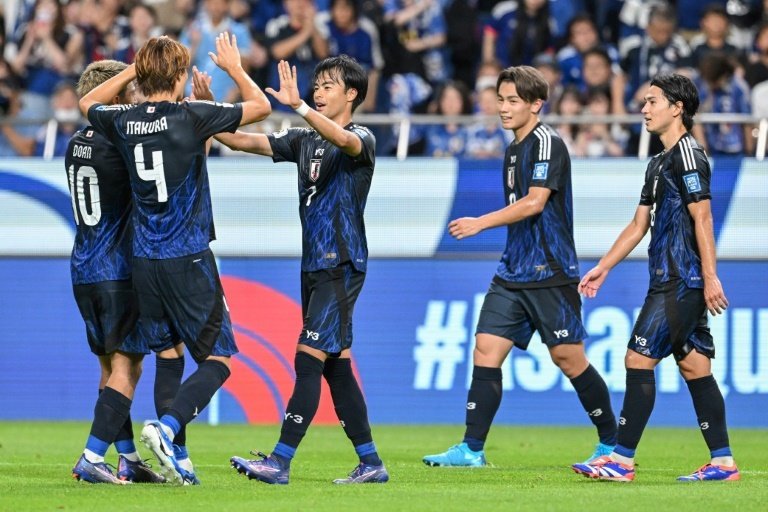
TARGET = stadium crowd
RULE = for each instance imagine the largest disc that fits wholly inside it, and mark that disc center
(423, 56)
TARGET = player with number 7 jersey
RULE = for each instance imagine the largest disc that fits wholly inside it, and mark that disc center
(163, 143)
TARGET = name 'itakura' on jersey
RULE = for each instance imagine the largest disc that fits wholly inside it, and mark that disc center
(101, 203)
(673, 180)
(163, 144)
(539, 248)
(333, 190)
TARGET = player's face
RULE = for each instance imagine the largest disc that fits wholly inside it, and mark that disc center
(658, 113)
(513, 110)
(330, 97)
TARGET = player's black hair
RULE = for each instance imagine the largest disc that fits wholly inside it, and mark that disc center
(346, 70)
(679, 88)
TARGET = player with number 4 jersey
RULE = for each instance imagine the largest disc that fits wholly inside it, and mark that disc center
(163, 143)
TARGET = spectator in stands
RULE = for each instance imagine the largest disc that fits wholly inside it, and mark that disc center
(548, 66)
(722, 92)
(64, 107)
(356, 36)
(487, 75)
(462, 22)
(597, 139)
(143, 21)
(450, 138)
(582, 37)
(10, 86)
(486, 138)
(600, 73)
(569, 106)
(106, 29)
(296, 38)
(658, 51)
(49, 51)
(756, 68)
(200, 36)
(715, 35)
(518, 31)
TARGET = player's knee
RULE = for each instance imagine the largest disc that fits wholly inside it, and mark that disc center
(225, 360)
(638, 361)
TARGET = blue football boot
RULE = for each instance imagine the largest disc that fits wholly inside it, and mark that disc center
(365, 474)
(457, 455)
(267, 469)
(95, 472)
(711, 472)
(154, 437)
(137, 472)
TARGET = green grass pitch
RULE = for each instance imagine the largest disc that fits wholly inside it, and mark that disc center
(530, 471)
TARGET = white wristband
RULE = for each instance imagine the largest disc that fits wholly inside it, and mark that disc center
(302, 109)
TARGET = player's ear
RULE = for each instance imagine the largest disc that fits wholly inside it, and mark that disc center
(536, 106)
(351, 94)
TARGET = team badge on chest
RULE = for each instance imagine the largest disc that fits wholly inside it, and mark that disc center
(511, 171)
(314, 169)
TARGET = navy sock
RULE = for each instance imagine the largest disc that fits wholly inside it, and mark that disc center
(710, 413)
(109, 415)
(483, 401)
(594, 397)
(350, 408)
(195, 393)
(167, 383)
(304, 401)
(639, 399)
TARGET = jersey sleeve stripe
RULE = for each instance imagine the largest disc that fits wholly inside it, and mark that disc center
(687, 152)
(545, 143)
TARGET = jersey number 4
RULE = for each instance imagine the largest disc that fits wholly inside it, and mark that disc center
(87, 209)
(154, 172)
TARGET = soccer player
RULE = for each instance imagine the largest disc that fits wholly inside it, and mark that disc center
(101, 279)
(175, 275)
(335, 160)
(534, 288)
(675, 205)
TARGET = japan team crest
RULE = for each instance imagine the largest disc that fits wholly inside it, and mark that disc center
(314, 169)
(511, 171)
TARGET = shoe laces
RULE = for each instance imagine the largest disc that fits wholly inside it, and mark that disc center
(700, 472)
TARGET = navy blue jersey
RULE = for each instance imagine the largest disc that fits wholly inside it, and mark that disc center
(333, 190)
(101, 203)
(540, 249)
(164, 146)
(673, 180)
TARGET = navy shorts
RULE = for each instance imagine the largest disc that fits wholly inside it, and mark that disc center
(110, 311)
(327, 301)
(673, 321)
(515, 314)
(184, 296)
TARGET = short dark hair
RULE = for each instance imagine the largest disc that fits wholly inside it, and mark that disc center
(599, 52)
(351, 3)
(346, 70)
(716, 9)
(663, 12)
(679, 88)
(529, 82)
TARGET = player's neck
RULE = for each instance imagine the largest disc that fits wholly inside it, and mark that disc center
(672, 136)
(343, 119)
(162, 96)
(523, 131)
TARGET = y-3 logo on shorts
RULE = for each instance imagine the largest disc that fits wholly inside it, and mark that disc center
(562, 333)
(704, 425)
(313, 335)
(596, 413)
(471, 406)
(640, 340)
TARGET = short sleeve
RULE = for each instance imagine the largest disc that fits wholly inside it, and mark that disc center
(211, 118)
(646, 195)
(286, 144)
(102, 118)
(694, 174)
(367, 154)
(551, 163)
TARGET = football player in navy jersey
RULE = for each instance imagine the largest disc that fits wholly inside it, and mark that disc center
(335, 160)
(675, 206)
(534, 288)
(101, 279)
(162, 141)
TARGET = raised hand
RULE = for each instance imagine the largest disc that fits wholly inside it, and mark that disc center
(289, 89)
(227, 56)
(201, 85)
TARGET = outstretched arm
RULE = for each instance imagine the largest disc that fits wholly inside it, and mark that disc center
(624, 244)
(255, 103)
(241, 141)
(289, 95)
(714, 295)
(105, 92)
(528, 206)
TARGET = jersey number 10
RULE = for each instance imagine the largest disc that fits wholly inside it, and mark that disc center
(77, 179)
